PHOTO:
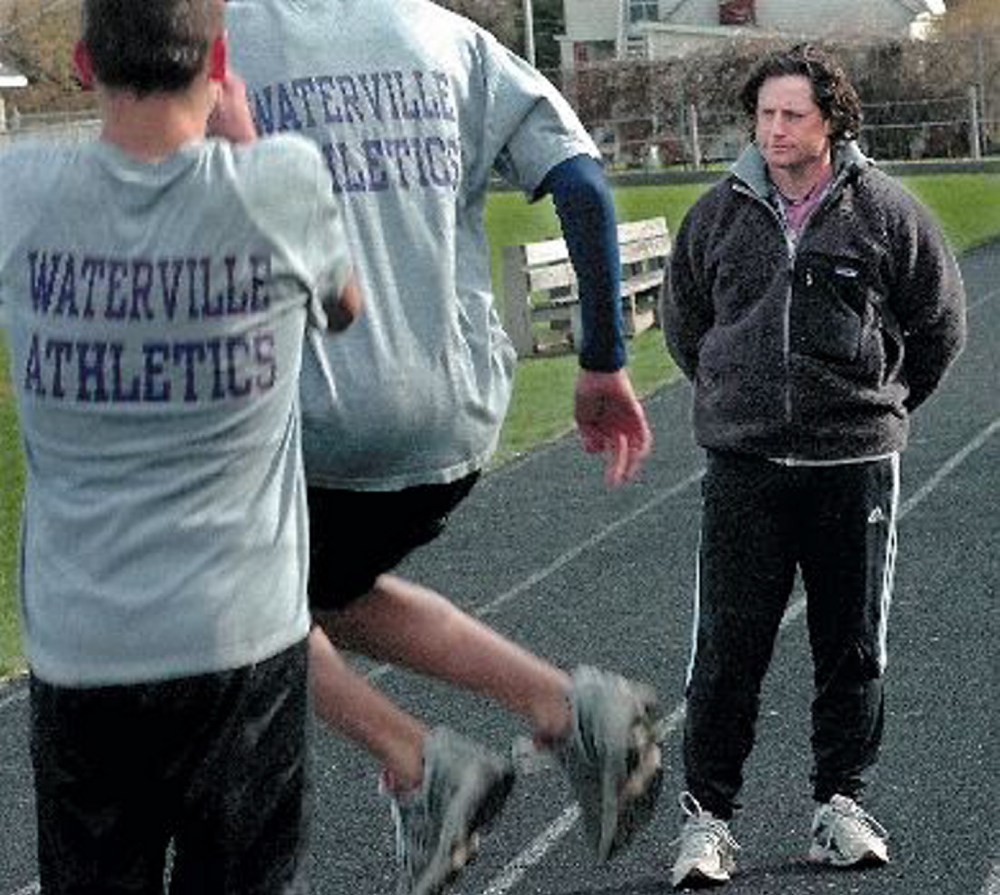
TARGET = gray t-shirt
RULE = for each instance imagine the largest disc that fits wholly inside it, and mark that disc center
(414, 109)
(156, 317)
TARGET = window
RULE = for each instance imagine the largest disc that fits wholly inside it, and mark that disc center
(643, 11)
(737, 12)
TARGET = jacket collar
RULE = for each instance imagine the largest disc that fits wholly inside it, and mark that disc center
(751, 170)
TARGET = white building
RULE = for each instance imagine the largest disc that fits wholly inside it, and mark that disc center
(9, 79)
(599, 30)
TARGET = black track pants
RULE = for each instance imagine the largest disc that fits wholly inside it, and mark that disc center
(762, 523)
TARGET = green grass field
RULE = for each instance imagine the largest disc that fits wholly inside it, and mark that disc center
(968, 207)
(10, 503)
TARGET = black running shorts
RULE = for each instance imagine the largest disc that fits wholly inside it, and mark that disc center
(355, 536)
(203, 780)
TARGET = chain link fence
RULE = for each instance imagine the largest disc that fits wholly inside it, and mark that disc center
(690, 136)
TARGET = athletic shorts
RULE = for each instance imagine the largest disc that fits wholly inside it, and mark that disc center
(355, 536)
(202, 780)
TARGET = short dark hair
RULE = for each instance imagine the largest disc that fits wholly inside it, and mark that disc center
(834, 94)
(149, 46)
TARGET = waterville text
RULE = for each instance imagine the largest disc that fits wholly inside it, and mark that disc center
(129, 358)
(386, 130)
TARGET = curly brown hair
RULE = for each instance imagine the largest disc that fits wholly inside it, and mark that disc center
(832, 91)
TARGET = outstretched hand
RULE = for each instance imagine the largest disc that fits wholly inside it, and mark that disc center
(611, 420)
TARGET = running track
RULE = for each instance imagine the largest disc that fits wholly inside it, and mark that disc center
(545, 554)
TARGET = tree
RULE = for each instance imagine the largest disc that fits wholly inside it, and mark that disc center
(38, 41)
(972, 29)
(548, 21)
(969, 17)
(505, 19)
(500, 17)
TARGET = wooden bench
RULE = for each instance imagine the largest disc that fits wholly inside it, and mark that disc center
(541, 306)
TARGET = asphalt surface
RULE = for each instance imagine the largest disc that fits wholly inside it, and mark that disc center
(543, 552)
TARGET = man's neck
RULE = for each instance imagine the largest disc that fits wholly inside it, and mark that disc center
(155, 126)
(797, 183)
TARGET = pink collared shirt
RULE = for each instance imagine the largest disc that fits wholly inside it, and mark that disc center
(797, 212)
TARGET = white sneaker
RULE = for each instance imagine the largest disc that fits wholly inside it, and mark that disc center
(707, 854)
(843, 835)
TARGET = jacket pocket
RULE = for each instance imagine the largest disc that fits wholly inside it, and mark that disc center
(833, 306)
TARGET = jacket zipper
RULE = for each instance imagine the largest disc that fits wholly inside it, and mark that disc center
(786, 318)
(792, 245)
(786, 324)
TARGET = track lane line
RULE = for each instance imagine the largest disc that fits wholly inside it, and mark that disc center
(992, 884)
(565, 558)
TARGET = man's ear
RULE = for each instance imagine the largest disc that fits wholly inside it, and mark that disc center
(218, 58)
(83, 65)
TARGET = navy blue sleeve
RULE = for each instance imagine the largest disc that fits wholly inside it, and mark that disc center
(586, 212)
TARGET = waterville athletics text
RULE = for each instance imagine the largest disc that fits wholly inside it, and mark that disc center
(127, 298)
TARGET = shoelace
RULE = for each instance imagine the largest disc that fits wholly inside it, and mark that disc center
(700, 823)
(405, 824)
(851, 809)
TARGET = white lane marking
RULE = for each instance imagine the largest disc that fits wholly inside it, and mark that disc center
(494, 605)
(948, 467)
(566, 558)
(989, 296)
(992, 884)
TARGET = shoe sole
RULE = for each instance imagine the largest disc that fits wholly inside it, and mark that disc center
(697, 879)
(823, 856)
(463, 846)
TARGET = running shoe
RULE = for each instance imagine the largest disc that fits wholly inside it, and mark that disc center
(707, 855)
(611, 757)
(463, 789)
(844, 835)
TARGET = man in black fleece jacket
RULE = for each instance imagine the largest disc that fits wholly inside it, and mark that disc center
(814, 304)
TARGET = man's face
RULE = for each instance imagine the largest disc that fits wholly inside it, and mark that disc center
(790, 130)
